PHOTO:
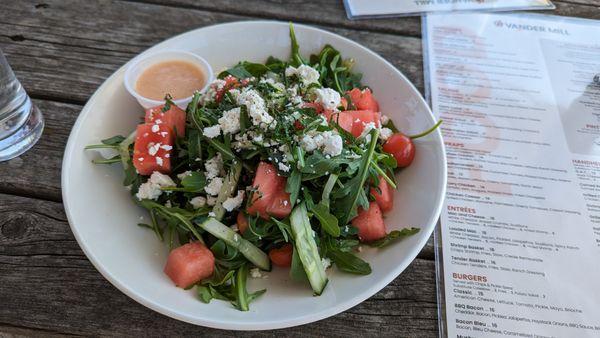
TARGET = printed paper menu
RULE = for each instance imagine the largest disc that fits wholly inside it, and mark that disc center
(520, 230)
(379, 8)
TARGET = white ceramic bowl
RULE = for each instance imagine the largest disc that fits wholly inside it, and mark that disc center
(103, 217)
(136, 67)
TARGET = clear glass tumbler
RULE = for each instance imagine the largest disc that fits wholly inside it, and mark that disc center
(21, 123)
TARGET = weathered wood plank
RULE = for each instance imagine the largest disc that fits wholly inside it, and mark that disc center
(46, 283)
(327, 13)
(72, 59)
(37, 172)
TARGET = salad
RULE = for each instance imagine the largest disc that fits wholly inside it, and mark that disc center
(287, 163)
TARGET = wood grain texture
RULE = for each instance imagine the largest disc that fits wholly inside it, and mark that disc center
(47, 283)
(69, 61)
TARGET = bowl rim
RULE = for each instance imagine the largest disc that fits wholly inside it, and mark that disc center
(341, 306)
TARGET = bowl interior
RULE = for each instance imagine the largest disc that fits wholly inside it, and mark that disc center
(103, 217)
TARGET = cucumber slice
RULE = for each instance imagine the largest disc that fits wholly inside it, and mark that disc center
(232, 238)
(306, 247)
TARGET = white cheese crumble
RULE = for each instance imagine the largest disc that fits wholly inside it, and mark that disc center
(214, 166)
(155, 128)
(184, 174)
(255, 273)
(234, 202)
(384, 119)
(305, 73)
(331, 143)
(153, 148)
(216, 86)
(211, 200)
(256, 107)
(151, 188)
(329, 98)
(230, 121)
(283, 167)
(368, 127)
(159, 161)
(212, 132)
(326, 262)
(385, 133)
(214, 186)
(277, 85)
(198, 202)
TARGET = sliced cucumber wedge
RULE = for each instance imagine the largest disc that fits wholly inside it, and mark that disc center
(306, 247)
(232, 238)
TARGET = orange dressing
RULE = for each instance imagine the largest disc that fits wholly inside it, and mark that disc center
(178, 78)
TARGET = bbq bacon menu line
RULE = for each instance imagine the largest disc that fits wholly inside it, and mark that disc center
(520, 229)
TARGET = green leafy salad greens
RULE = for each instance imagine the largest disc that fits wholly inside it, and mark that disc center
(264, 112)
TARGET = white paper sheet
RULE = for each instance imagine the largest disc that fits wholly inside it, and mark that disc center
(383, 8)
(520, 230)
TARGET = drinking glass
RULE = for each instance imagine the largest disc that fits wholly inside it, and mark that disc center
(21, 123)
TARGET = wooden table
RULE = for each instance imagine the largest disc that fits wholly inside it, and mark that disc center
(62, 51)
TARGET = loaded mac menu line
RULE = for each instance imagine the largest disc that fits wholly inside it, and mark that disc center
(520, 230)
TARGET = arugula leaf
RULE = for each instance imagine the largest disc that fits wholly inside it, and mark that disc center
(344, 260)
(243, 299)
(285, 229)
(297, 272)
(356, 186)
(295, 57)
(349, 262)
(195, 182)
(329, 223)
(395, 235)
(245, 70)
(293, 185)
(113, 141)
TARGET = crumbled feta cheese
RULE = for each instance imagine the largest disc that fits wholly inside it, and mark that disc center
(214, 166)
(305, 73)
(155, 128)
(385, 133)
(234, 202)
(216, 86)
(256, 107)
(277, 85)
(184, 175)
(166, 147)
(230, 122)
(151, 188)
(159, 161)
(212, 132)
(384, 119)
(333, 145)
(214, 186)
(309, 142)
(326, 262)
(255, 273)
(211, 214)
(198, 202)
(158, 121)
(211, 200)
(283, 167)
(153, 148)
(329, 98)
(368, 127)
